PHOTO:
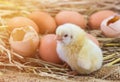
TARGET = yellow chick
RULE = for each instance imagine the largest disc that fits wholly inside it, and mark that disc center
(77, 50)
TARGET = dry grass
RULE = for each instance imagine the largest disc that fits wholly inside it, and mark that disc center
(10, 60)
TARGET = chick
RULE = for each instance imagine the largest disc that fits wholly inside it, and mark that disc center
(77, 50)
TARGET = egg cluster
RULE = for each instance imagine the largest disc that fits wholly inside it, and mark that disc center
(36, 33)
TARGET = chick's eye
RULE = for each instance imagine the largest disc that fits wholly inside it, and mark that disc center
(65, 35)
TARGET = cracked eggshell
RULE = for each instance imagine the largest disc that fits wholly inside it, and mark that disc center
(24, 41)
(111, 26)
(96, 18)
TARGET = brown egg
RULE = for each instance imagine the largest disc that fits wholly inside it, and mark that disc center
(93, 39)
(96, 18)
(21, 22)
(47, 49)
(111, 26)
(70, 17)
(24, 41)
(45, 22)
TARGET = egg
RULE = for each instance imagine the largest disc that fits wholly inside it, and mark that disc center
(96, 18)
(45, 22)
(111, 26)
(70, 17)
(91, 37)
(21, 22)
(47, 49)
(24, 41)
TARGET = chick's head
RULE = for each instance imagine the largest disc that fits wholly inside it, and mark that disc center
(69, 33)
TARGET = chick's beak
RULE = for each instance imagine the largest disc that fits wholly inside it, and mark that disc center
(59, 38)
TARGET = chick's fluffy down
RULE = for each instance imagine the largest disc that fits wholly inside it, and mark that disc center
(77, 50)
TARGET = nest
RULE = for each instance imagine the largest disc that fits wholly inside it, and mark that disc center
(11, 61)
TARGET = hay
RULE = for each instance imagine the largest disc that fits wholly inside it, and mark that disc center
(10, 60)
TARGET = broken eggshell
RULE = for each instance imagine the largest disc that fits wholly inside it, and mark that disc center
(24, 41)
(111, 26)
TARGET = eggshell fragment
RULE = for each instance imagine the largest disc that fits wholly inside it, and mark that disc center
(17, 22)
(111, 26)
(24, 41)
(47, 49)
(45, 22)
(70, 17)
(93, 39)
(96, 19)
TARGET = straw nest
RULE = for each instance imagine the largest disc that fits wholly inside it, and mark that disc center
(12, 61)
